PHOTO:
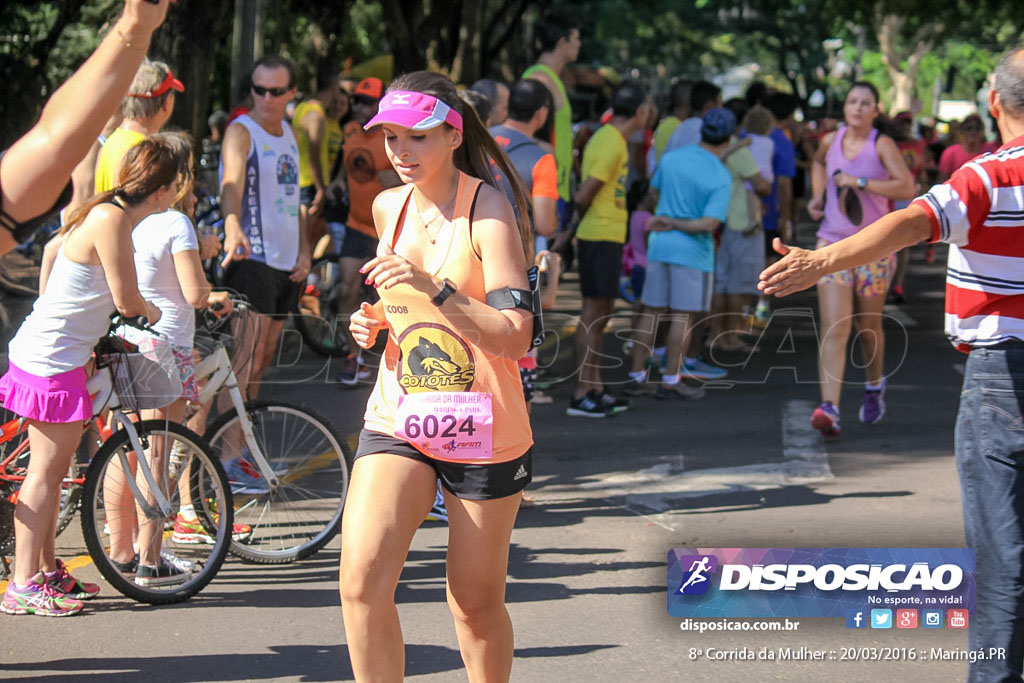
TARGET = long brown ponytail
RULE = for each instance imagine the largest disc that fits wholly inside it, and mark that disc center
(473, 156)
(145, 168)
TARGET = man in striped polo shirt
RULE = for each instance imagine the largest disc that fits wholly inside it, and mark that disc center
(980, 213)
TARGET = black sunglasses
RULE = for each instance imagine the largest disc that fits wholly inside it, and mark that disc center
(275, 92)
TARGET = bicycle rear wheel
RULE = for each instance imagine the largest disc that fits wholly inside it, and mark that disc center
(320, 322)
(303, 513)
(109, 508)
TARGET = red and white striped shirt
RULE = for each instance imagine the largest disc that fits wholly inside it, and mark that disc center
(979, 211)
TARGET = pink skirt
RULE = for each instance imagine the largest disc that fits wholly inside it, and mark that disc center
(62, 398)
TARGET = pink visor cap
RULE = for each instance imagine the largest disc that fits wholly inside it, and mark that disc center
(415, 110)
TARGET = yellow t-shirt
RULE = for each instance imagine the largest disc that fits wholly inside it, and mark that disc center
(333, 139)
(607, 159)
(663, 132)
(119, 142)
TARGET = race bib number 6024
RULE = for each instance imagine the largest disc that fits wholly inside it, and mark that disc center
(448, 424)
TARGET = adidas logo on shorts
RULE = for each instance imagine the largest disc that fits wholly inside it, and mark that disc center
(520, 474)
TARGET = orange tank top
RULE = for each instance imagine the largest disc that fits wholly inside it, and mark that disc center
(426, 354)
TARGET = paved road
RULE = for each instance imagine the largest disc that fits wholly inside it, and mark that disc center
(587, 573)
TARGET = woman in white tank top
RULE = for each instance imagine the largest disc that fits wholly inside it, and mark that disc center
(92, 276)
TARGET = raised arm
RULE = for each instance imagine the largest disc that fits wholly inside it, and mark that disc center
(36, 168)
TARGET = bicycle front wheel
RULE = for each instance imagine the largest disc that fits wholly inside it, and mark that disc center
(114, 525)
(303, 513)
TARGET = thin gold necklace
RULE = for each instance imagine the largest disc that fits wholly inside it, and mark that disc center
(440, 214)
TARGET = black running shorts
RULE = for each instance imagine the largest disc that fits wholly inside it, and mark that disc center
(269, 290)
(599, 266)
(358, 245)
(465, 480)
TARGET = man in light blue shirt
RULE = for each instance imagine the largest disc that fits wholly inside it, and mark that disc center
(694, 188)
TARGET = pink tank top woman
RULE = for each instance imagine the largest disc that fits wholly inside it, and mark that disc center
(839, 208)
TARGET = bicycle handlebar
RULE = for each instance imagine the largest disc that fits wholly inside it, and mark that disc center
(139, 322)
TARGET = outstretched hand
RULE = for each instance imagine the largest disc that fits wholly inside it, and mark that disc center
(797, 270)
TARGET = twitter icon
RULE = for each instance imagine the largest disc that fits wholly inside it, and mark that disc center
(881, 618)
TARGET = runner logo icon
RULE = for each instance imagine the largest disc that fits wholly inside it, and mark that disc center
(695, 580)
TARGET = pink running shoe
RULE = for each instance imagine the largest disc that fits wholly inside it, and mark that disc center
(825, 419)
(38, 597)
(61, 580)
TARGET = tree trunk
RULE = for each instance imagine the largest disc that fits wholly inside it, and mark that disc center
(193, 23)
(400, 19)
(903, 61)
(466, 64)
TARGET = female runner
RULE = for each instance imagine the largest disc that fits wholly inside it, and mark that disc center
(861, 171)
(448, 403)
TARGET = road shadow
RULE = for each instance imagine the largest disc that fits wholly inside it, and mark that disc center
(300, 662)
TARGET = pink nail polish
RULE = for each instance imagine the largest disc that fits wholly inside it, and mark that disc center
(367, 281)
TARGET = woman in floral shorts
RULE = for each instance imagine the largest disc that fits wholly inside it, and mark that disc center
(856, 174)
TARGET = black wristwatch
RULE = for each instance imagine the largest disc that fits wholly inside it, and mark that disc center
(446, 291)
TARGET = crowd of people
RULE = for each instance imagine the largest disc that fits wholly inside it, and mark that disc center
(439, 199)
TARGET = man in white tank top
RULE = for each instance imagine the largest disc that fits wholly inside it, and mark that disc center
(267, 253)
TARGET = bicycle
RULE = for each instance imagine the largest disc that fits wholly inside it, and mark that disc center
(299, 463)
(126, 382)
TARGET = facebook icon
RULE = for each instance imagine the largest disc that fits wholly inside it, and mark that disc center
(855, 618)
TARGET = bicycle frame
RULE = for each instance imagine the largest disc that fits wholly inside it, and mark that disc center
(101, 388)
(216, 367)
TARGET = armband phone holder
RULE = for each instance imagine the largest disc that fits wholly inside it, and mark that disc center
(506, 297)
(533, 274)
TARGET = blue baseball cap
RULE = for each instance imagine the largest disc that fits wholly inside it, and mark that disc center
(718, 123)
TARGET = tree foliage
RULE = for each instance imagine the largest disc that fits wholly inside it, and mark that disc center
(905, 46)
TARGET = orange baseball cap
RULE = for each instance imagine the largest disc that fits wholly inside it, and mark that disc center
(370, 87)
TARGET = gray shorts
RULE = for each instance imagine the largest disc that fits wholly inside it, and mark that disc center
(677, 287)
(739, 261)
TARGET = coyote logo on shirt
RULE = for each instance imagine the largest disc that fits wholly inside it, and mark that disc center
(434, 359)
